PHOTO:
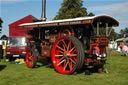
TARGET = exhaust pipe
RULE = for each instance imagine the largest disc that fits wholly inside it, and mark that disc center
(43, 16)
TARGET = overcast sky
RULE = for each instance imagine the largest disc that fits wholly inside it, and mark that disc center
(12, 10)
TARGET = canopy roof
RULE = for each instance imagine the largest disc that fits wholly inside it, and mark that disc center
(122, 39)
(75, 21)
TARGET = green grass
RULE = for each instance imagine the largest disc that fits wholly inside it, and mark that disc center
(19, 74)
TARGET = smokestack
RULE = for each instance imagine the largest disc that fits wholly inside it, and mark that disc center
(43, 17)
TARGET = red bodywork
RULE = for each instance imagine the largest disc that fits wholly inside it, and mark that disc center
(98, 43)
(16, 51)
(15, 31)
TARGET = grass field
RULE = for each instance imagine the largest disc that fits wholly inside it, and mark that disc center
(19, 74)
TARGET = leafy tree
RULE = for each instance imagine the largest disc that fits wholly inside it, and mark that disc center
(91, 14)
(1, 21)
(4, 37)
(124, 31)
(113, 35)
(72, 9)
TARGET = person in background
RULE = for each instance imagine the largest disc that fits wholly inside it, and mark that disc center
(125, 49)
(4, 50)
(121, 46)
(1, 52)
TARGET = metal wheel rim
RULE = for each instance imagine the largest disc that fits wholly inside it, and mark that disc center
(64, 55)
(29, 59)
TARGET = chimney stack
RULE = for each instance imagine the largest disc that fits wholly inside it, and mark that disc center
(43, 16)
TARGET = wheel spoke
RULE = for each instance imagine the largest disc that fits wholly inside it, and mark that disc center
(31, 58)
(64, 47)
(66, 65)
(61, 58)
(69, 45)
(73, 55)
(61, 52)
(60, 48)
(65, 62)
(29, 54)
(59, 55)
(64, 43)
(60, 62)
(72, 61)
(72, 49)
(30, 62)
(70, 65)
(75, 59)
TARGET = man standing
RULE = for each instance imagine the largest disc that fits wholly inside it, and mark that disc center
(4, 50)
(1, 52)
(121, 46)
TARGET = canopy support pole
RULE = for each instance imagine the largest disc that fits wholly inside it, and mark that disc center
(106, 29)
(97, 29)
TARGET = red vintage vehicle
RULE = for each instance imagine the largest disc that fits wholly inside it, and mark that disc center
(16, 45)
(70, 44)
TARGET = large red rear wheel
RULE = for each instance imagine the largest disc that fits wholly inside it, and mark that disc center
(67, 55)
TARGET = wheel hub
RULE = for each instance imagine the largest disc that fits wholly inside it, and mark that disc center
(66, 54)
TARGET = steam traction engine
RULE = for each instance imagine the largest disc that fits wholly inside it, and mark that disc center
(69, 44)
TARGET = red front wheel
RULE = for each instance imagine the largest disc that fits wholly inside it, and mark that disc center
(30, 59)
(67, 55)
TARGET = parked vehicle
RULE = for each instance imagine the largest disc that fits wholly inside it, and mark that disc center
(16, 48)
(69, 44)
